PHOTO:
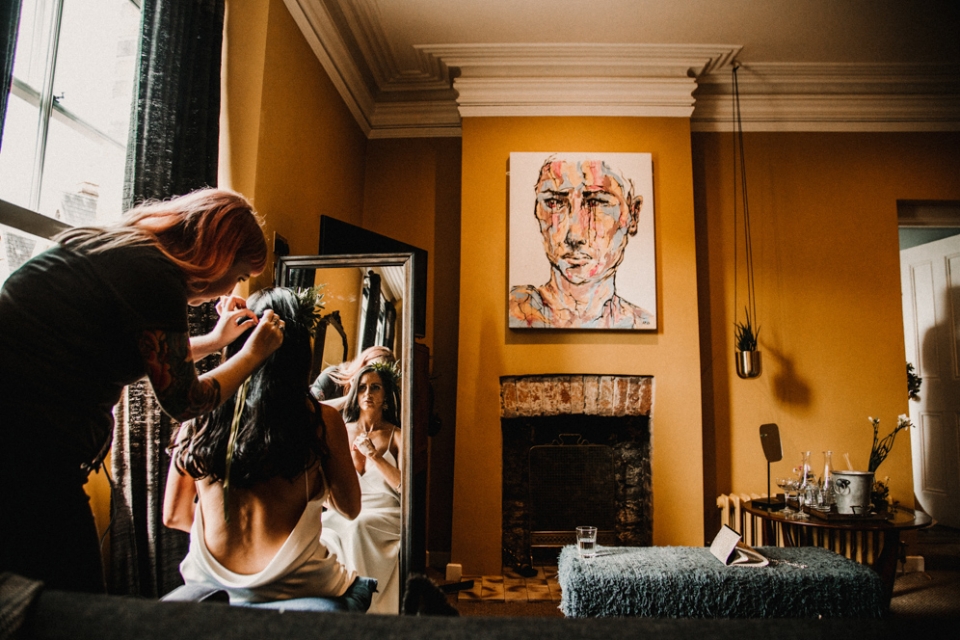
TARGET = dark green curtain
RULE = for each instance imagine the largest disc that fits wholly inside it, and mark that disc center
(9, 21)
(173, 150)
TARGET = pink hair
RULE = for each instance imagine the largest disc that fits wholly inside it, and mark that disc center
(205, 233)
(343, 374)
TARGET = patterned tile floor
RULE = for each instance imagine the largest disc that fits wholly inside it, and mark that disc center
(512, 587)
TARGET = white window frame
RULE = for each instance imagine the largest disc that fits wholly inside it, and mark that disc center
(26, 219)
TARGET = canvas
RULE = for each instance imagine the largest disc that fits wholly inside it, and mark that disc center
(581, 242)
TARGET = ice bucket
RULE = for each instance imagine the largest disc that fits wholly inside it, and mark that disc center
(853, 489)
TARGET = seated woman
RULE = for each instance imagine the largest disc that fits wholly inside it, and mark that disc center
(333, 383)
(249, 483)
(370, 544)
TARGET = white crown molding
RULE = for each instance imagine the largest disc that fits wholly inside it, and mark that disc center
(565, 59)
(639, 80)
(832, 97)
(575, 96)
(363, 21)
(563, 80)
(416, 119)
(321, 34)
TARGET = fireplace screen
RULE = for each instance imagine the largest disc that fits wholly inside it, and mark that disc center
(571, 485)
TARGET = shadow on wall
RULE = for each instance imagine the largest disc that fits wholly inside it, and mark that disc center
(788, 386)
(940, 463)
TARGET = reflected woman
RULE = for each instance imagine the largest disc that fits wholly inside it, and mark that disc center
(370, 544)
(333, 384)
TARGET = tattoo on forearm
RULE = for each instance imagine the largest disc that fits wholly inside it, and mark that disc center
(174, 377)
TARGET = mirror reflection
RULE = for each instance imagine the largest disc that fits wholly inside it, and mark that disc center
(369, 544)
(363, 348)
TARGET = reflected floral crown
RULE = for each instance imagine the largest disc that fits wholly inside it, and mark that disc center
(391, 369)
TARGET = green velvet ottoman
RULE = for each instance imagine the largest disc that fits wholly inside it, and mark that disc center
(689, 582)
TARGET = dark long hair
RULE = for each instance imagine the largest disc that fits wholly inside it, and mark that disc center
(391, 391)
(277, 432)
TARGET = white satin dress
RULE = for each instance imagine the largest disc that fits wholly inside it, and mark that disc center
(302, 568)
(370, 544)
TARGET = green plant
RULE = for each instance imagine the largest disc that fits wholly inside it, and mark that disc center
(881, 448)
(880, 494)
(744, 334)
(913, 383)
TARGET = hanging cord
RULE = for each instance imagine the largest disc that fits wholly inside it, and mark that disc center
(748, 243)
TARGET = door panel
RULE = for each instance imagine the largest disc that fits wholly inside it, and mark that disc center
(930, 280)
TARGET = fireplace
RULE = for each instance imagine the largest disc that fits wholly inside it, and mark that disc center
(578, 429)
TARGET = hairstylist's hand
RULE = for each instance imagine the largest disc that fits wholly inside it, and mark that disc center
(267, 336)
(235, 319)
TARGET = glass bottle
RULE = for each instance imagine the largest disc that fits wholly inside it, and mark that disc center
(827, 496)
(806, 477)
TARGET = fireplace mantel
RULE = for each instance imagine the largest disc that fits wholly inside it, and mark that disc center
(575, 394)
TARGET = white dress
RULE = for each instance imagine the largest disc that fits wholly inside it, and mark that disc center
(302, 568)
(370, 544)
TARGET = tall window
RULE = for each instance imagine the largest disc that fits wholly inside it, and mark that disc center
(68, 114)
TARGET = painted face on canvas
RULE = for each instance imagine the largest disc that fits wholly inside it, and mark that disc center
(586, 214)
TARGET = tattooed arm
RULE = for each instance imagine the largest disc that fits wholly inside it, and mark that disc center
(181, 392)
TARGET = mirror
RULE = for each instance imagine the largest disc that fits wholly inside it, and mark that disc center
(369, 299)
(770, 441)
(773, 452)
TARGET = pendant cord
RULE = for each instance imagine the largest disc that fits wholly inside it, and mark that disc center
(739, 159)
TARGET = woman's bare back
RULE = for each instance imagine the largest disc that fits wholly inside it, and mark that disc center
(261, 519)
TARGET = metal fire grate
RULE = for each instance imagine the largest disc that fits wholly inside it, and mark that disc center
(571, 485)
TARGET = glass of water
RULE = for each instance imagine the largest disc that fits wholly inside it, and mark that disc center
(587, 541)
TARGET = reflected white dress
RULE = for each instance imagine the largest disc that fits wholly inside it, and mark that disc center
(370, 544)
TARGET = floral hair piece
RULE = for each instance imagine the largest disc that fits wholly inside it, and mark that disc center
(309, 307)
(391, 369)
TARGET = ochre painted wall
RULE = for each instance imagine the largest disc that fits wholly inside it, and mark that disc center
(294, 148)
(823, 209)
(241, 79)
(488, 349)
(412, 193)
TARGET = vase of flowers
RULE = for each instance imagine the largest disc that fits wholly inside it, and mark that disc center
(747, 356)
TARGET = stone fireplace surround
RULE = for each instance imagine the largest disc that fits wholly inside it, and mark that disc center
(614, 410)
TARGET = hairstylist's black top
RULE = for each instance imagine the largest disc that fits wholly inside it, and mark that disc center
(69, 329)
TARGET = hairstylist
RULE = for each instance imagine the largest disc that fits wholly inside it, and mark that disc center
(98, 311)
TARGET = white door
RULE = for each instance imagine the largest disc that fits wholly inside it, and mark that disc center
(930, 283)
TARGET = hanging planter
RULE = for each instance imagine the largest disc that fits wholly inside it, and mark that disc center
(747, 356)
(745, 334)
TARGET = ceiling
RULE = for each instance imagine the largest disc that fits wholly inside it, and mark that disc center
(415, 67)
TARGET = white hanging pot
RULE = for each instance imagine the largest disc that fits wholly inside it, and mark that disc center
(748, 364)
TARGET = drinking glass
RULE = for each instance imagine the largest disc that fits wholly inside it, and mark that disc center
(785, 484)
(803, 493)
(587, 541)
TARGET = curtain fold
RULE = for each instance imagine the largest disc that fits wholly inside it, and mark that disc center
(174, 135)
(9, 23)
(371, 311)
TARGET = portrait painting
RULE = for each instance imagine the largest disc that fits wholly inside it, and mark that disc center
(581, 242)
